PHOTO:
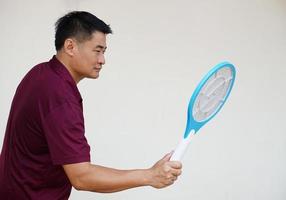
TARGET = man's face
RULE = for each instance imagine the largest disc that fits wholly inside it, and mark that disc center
(89, 56)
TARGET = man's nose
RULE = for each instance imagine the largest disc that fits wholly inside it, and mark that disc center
(101, 60)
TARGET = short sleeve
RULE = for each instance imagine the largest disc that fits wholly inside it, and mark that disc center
(64, 132)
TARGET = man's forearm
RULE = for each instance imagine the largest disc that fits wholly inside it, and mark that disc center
(85, 176)
(102, 179)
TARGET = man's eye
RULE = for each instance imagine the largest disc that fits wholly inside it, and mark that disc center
(99, 51)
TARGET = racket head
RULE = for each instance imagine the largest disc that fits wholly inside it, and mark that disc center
(209, 96)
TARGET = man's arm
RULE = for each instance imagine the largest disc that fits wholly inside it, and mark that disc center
(89, 177)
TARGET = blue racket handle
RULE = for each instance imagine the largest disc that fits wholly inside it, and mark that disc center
(182, 147)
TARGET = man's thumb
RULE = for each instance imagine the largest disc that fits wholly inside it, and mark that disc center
(168, 156)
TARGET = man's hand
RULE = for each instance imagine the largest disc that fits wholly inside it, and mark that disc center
(165, 172)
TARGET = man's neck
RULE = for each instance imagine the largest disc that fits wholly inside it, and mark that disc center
(66, 62)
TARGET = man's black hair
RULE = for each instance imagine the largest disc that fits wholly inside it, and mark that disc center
(80, 25)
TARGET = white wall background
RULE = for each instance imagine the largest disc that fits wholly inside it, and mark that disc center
(136, 111)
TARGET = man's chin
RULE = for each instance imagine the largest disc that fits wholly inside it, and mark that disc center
(93, 76)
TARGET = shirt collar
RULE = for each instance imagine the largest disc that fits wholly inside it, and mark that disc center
(62, 71)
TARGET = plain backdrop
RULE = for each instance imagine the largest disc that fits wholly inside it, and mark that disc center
(135, 112)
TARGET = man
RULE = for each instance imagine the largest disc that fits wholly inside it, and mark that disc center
(45, 151)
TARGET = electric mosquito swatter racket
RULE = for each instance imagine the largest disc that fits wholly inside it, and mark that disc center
(206, 101)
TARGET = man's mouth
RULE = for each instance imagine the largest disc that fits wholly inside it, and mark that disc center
(97, 69)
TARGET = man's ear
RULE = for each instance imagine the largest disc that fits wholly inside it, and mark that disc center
(70, 46)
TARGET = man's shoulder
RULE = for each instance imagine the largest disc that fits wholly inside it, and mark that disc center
(49, 84)
(43, 82)
(44, 77)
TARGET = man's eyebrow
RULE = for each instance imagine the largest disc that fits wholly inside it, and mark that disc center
(101, 47)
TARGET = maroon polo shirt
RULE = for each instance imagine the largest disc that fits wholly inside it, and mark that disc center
(45, 130)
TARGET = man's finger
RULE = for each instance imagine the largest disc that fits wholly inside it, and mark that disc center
(176, 172)
(167, 156)
(175, 164)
